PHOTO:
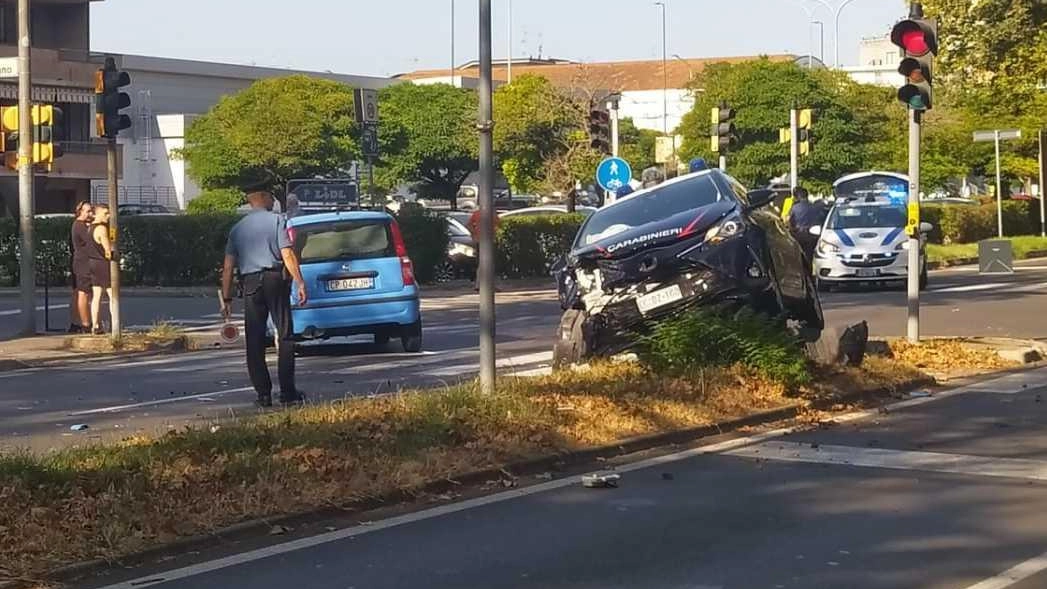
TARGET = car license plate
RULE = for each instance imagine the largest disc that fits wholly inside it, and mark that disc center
(867, 272)
(659, 298)
(350, 284)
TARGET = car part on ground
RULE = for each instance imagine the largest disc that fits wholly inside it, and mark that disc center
(697, 240)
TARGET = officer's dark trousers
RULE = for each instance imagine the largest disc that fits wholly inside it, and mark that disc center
(269, 293)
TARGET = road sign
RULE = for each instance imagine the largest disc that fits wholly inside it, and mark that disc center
(366, 105)
(613, 173)
(322, 193)
(1005, 134)
(369, 140)
(9, 67)
(995, 256)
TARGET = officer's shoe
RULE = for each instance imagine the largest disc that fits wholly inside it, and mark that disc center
(294, 401)
(264, 402)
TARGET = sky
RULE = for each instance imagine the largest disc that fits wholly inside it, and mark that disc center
(387, 37)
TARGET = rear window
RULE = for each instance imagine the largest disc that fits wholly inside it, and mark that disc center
(660, 203)
(360, 240)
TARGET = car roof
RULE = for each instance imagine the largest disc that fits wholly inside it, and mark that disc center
(643, 191)
(333, 217)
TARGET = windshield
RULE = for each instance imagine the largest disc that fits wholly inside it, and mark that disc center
(876, 185)
(660, 203)
(324, 242)
(867, 217)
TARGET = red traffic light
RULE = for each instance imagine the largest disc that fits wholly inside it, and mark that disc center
(915, 37)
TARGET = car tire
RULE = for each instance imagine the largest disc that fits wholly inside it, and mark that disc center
(570, 347)
(411, 339)
(444, 272)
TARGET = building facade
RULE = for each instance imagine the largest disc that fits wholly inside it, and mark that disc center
(878, 61)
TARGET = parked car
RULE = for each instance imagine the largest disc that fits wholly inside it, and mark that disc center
(546, 210)
(462, 250)
(136, 210)
(696, 240)
(359, 278)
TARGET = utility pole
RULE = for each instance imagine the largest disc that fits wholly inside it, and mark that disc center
(1043, 188)
(25, 173)
(913, 324)
(487, 253)
(509, 46)
(453, 66)
(613, 107)
(665, 78)
(794, 149)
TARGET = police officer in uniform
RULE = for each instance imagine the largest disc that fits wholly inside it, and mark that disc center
(260, 248)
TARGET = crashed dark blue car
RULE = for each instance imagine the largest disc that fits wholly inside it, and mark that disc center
(700, 239)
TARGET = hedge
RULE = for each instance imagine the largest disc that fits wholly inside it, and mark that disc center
(971, 224)
(528, 246)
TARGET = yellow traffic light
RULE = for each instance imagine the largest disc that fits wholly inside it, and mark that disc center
(806, 118)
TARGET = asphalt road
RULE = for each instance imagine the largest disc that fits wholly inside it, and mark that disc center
(116, 398)
(946, 492)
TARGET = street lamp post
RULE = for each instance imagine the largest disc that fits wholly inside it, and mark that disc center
(452, 43)
(486, 270)
(821, 39)
(810, 38)
(665, 75)
(836, 33)
(509, 45)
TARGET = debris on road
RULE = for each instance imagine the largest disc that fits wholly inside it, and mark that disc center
(80, 427)
(279, 530)
(545, 476)
(919, 394)
(601, 480)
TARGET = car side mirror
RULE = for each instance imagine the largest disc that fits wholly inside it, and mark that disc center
(815, 230)
(760, 198)
(926, 227)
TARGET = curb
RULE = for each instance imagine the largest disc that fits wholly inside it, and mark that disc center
(517, 469)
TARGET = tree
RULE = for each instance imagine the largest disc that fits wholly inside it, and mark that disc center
(428, 136)
(848, 120)
(533, 122)
(218, 200)
(636, 145)
(281, 128)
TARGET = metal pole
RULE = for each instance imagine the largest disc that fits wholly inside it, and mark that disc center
(370, 179)
(614, 128)
(794, 150)
(114, 235)
(1043, 197)
(453, 67)
(913, 324)
(999, 189)
(821, 41)
(723, 163)
(665, 77)
(487, 253)
(509, 47)
(25, 173)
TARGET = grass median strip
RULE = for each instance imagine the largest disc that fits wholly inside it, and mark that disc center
(1023, 246)
(107, 501)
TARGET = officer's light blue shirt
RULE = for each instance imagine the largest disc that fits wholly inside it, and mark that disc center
(256, 241)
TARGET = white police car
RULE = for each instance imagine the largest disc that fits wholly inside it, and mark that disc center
(863, 239)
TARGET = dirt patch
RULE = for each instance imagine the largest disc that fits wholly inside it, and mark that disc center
(129, 343)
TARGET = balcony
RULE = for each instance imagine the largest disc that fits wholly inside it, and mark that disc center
(82, 160)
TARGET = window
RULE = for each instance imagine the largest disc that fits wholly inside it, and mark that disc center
(867, 217)
(359, 240)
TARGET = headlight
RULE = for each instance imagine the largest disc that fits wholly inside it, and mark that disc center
(730, 227)
(825, 248)
(463, 250)
(903, 246)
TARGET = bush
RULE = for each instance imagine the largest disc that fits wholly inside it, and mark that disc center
(529, 246)
(425, 234)
(971, 224)
(52, 251)
(210, 202)
(704, 338)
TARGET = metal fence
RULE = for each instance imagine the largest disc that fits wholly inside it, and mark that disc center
(139, 195)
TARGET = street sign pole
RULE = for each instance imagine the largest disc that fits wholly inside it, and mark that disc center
(487, 253)
(1043, 187)
(999, 189)
(25, 174)
(794, 151)
(913, 327)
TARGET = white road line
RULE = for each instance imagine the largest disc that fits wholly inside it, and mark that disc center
(510, 362)
(986, 466)
(118, 408)
(1010, 384)
(970, 287)
(287, 547)
(10, 312)
(1015, 574)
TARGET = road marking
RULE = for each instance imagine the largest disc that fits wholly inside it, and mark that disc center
(118, 408)
(1015, 574)
(986, 466)
(10, 312)
(1011, 384)
(510, 362)
(971, 287)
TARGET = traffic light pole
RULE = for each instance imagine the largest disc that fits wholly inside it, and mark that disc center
(999, 188)
(614, 128)
(114, 236)
(25, 173)
(485, 277)
(1043, 188)
(794, 150)
(913, 326)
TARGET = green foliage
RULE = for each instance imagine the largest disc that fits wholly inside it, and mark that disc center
(292, 127)
(709, 337)
(971, 224)
(52, 250)
(428, 137)
(849, 120)
(636, 145)
(528, 246)
(425, 235)
(1022, 246)
(219, 200)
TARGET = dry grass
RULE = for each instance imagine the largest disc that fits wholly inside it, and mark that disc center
(108, 501)
(944, 357)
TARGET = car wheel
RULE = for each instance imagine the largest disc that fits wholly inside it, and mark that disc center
(411, 339)
(570, 347)
(444, 272)
(381, 339)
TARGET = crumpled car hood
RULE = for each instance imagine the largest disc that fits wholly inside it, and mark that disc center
(659, 233)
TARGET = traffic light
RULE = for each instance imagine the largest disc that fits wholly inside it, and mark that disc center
(804, 119)
(917, 38)
(600, 129)
(109, 100)
(47, 134)
(724, 137)
(9, 135)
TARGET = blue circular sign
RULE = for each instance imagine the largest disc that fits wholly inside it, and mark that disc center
(613, 173)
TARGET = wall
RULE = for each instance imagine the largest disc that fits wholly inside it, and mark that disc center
(645, 107)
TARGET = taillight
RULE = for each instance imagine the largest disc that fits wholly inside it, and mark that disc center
(406, 267)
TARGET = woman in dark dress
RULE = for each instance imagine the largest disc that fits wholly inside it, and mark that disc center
(80, 244)
(100, 253)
